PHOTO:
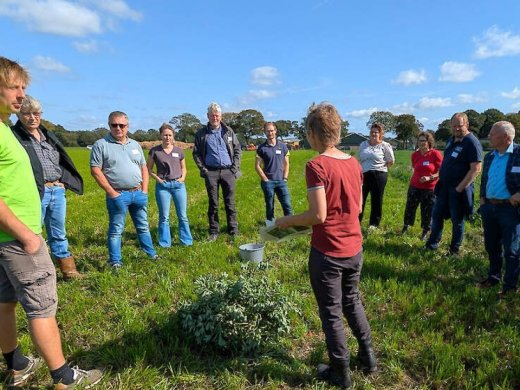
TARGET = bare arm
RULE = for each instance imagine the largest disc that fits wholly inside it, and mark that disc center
(146, 178)
(258, 168)
(473, 172)
(102, 181)
(149, 165)
(286, 167)
(316, 214)
(11, 225)
(183, 171)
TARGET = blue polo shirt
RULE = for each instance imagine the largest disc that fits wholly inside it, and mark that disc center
(496, 186)
(217, 155)
(458, 157)
(273, 157)
(121, 163)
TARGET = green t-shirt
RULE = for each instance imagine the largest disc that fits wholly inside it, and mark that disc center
(17, 185)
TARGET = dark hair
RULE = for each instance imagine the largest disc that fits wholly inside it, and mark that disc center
(324, 120)
(379, 126)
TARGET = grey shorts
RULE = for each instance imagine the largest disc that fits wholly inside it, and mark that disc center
(28, 279)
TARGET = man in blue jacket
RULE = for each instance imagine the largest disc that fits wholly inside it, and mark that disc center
(217, 155)
(499, 202)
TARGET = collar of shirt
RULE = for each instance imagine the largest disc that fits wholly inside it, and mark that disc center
(508, 150)
(113, 140)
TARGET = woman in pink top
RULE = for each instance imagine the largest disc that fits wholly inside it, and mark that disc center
(335, 261)
(426, 162)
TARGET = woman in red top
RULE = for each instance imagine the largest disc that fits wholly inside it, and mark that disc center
(426, 162)
(334, 194)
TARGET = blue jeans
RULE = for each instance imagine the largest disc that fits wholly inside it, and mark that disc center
(501, 239)
(164, 192)
(136, 203)
(278, 187)
(451, 202)
(54, 210)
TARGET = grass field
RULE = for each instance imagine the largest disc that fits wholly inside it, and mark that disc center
(432, 327)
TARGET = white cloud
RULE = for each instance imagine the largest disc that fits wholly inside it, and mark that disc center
(119, 9)
(458, 72)
(59, 17)
(67, 17)
(497, 43)
(86, 46)
(362, 113)
(256, 94)
(410, 77)
(515, 106)
(265, 75)
(403, 108)
(427, 103)
(514, 94)
(48, 64)
(467, 98)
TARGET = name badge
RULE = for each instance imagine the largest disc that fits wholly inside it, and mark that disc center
(175, 155)
(135, 151)
(454, 154)
(515, 169)
(426, 163)
(278, 152)
(229, 139)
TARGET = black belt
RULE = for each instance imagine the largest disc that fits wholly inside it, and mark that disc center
(169, 180)
(498, 201)
(133, 189)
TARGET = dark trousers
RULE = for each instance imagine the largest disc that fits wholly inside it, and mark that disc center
(501, 240)
(374, 183)
(226, 179)
(415, 197)
(335, 284)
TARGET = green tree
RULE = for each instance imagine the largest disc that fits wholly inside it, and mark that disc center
(514, 118)
(384, 117)
(186, 125)
(476, 121)
(89, 137)
(344, 128)
(491, 116)
(249, 123)
(407, 128)
(443, 130)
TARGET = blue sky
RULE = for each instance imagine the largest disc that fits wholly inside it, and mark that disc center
(158, 58)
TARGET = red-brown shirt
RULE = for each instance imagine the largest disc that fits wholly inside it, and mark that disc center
(425, 165)
(340, 234)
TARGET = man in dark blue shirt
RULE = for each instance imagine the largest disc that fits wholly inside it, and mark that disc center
(454, 190)
(217, 155)
(499, 202)
(272, 165)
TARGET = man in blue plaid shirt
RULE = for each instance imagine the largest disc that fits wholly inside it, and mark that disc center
(499, 200)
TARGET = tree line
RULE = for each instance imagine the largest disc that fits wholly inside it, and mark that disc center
(248, 125)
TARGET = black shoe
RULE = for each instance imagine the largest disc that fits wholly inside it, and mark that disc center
(212, 237)
(424, 234)
(506, 293)
(404, 229)
(454, 252)
(487, 283)
(366, 359)
(233, 237)
(337, 374)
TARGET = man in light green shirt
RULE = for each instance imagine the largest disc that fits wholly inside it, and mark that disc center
(27, 274)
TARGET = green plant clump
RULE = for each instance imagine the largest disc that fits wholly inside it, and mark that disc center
(241, 317)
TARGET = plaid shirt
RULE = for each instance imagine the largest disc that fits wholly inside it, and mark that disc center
(49, 158)
(512, 171)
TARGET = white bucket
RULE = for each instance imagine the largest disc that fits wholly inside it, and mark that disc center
(252, 252)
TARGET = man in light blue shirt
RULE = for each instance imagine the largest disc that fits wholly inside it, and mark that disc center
(117, 164)
(500, 199)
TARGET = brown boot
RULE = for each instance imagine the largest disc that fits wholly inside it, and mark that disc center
(68, 269)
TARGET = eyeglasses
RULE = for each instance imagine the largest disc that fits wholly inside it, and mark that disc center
(29, 114)
(120, 125)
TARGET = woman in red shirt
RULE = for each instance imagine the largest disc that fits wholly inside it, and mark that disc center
(334, 195)
(426, 162)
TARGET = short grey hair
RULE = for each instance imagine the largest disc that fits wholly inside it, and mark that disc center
(29, 104)
(118, 114)
(506, 127)
(214, 107)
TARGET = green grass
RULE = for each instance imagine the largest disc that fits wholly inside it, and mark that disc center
(432, 327)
